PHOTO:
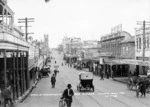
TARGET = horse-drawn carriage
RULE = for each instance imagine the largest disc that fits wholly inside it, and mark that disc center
(132, 82)
(86, 81)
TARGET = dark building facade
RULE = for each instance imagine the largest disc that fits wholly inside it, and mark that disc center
(13, 54)
(111, 50)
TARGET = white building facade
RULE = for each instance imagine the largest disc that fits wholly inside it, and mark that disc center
(139, 48)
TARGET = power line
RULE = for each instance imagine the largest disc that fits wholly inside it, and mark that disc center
(26, 21)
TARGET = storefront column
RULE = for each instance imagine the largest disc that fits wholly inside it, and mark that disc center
(111, 71)
(28, 75)
(137, 70)
(21, 70)
(17, 76)
(33, 74)
(23, 74)
(14, 77)
(25, 71)
(5, 70)
(105, 69)
(116, 70)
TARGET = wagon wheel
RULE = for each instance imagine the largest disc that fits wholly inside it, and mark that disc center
(130, 84)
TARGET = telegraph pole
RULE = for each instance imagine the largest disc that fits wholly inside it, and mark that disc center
(143, 23)
(26, 20)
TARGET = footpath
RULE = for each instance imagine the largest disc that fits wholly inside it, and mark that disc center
(118, 79)
(23, 97)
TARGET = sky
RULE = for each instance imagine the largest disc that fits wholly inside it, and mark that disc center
(87, 19)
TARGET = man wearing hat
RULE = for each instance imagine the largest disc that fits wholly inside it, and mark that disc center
(53, 80)
(67, 94)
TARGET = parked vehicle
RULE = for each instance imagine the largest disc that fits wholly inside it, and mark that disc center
(86, 81)
(78, 67)
(45, 71)
(132, 81)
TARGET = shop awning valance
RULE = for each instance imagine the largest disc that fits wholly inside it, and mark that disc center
(131, 61)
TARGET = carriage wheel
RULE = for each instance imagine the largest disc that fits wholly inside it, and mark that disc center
(130, 84)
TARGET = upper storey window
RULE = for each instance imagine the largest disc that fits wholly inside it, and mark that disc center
(6, 17)
(139, 43)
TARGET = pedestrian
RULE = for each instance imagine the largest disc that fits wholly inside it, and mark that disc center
(67, 94)
(55, 72)
(107, 74)
(142, 87)
(102, 75)
(6, 94)
(112, 74)
(53, 80)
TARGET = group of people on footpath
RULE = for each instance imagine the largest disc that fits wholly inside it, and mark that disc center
(102, 74)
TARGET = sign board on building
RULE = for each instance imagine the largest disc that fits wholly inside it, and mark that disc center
(116, 28)
(101, 61)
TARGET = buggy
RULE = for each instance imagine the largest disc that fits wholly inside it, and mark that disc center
(86, 81)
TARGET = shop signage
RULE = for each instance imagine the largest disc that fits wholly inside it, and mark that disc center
(101, 61)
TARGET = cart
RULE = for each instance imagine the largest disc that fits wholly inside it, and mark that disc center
(132, 82)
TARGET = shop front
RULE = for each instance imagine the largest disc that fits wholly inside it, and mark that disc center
(132, 66)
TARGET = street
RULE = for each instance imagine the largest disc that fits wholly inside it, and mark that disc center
(108, 93)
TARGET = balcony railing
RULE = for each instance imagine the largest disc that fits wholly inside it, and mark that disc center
(8, 34)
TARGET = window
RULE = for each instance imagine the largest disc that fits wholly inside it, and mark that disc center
(139, 43)
(123, 48)
(147, 42)
(127, 49)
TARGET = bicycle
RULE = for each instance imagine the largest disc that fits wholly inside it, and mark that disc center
(62, 102)
(7, 103)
